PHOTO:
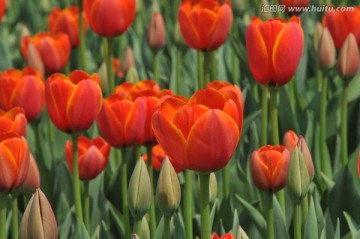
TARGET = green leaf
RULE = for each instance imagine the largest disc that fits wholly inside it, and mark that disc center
(352, 225)
(160, 229)
(279, 221)
(179, 230)
(311, 224)
(337, 230)
(235, 226)
(257, 217)
(80, 231)
(118, 219)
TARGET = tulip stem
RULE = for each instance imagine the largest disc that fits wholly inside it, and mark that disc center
(264, 115)
(124, 193)
(178, 71)
(200, 70)
(205, 205)
(156, 57)
(324, 162)
(270, 215)
(207, 63)
(225, 181)
(188, 204)
(15, 218)
(297, 221)
(76, 178)
(344, 102)
(167, 224)
(152, 221)
(305, 206)
(3, 217)
(137, 226)
(109, 64)
(82, 49)
(87, 206)
(214, 66)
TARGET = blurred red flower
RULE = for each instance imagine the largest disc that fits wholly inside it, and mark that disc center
(13, 121)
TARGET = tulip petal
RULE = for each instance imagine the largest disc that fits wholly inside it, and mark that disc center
(188, 30)
(91, 163)
(219, 31)
(135, 122)
(211, 141)
(8, 169)
(209, 98)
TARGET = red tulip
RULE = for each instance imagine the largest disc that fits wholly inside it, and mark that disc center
(67, 21)
(199, 134)
(205, 24)
(290, 140)
(349, 59)
(225, 236)
(73, 102)
(274, 49)
(269, 166)
(14, 163)
(156, 32)
(341, 24)
(13, 121)
(109, 18)
(32, 180)
(294, 6)
(93, 156)
(53, 49)
(2, 8)
(25, 89)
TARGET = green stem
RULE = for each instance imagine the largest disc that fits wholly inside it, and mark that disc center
(137, 227)
(82, 49)
(297, 221)
(200, 70)
(178, 72)
(207, 63)
(213, 73)
(124, 193)
(3, 217)
(305, 206)
(270, 216)
(76, 178)
(226, 182)
(255, 92)
(344, 103)
(152, 213)
(205, 205)
(109, 64)
(87, 206)
(15, 219)
(51, 138)
(167, 221)
(264, 115)
(188, 204)
(156, 66)
(324, 162)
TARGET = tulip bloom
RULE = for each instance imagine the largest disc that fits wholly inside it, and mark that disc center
(225, 236)
(205, 24)
(73, 102)
(14, 121)
(274, 49)
(199, 134)
(25, 89)
(67, 21)
(269, 166)
(341, 24)
(14, 164)
(109, 18)
(93, 156)
(53, 49)
(2, 8)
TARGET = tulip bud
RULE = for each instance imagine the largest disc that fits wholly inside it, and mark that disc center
(168, 192)
(103, 76)
(156, 32)
(144, 232)
(290, 140)
(298, 178)
(128, 59)
(327, 51)
(178, 37)
(317, 36)
(307, 155)
(348, 62)
(34, 59)
(32, 180)
(241, 234)
(238, 5)
(134, 236)
(132, 75)
(265, 14)
(38, 221)
(139, 190)
(212, 187)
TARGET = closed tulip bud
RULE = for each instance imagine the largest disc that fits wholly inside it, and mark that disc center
(38, 221)
(348, 62)
(156, 32)
(290, 140)
(168, 192)
(135, 236)
(238, 5)
(128, 59)
(241, 234)
(139, 190)
(327, 51)
(132, 75)
(213, 189)
(144, 232)
(298, 178)
(307, 156)
(317, 36)
(32, 180)
(225, 236)
(264, 14)
(179, 39)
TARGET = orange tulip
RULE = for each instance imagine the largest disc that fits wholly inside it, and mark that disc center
(2, 8)
(109, 18)
(53, 49)
(341, 24)
(274, 49)
(269, 166)
(225, 236)
(14, 121)
(67, 21)
(93, 156)
(205, 24)
(199, 134)
(290, 140)
(25, 89)
(73, 102)
(14, 164)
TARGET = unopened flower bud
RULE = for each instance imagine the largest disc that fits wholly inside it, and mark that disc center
(348, 62)
(290, 140)
(144, 232)
(213, 190)
(132, 75)
(317, 36)
(38, 221)
(168, 192)
(241, 234)
(304, 149)
(298, 178)
(327, 51)
(139, 195)
(128, 59)
(265, 14)
(156, 32)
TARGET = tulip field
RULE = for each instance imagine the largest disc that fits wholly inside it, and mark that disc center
(183, 119)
